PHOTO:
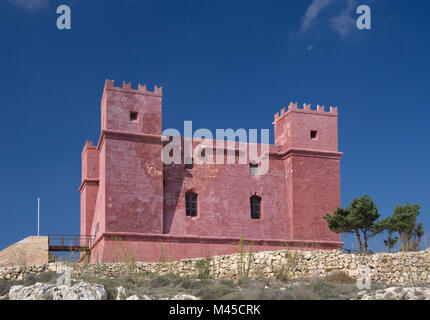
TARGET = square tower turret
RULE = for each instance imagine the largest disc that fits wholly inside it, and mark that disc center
(306, 128)
(131, 111)
(309, 141)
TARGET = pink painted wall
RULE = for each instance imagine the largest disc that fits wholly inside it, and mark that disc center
(117, 247)
(131, 195)
(89, 186)
(134, 186)
(224, 193)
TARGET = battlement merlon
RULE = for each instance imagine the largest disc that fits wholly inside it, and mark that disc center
(90, 162)
(126, 87)
(293, 107)
(88, 145)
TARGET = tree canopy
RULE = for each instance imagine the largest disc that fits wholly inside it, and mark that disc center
(405, 223)
(358, 218)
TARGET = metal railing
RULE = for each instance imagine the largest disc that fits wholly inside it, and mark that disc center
(66, 242)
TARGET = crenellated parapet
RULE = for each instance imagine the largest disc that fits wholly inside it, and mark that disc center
(293, 107)
(126, 87)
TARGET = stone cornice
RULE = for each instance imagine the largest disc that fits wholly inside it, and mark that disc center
(122, 135)
(88, 181)
(310, 153)
(206, 239)
(114, 134)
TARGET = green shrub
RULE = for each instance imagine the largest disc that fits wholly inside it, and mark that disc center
(203, 268)
(214, 292)
(245, 265)
(6, 284)
(288, 265)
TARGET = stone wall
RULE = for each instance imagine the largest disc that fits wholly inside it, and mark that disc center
(389, 268)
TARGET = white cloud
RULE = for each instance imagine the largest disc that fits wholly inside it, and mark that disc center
(30, 4)
(344, 22)
(341, 23)
(310, 47)
(313, 11)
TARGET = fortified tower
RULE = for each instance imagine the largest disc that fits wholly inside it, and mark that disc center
(309, 143)
(132, 203)
(89, 186)
(122, 177)
(130, 150)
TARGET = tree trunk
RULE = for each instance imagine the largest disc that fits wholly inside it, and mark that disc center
(366, 247)
(359, 240)
(389, 242)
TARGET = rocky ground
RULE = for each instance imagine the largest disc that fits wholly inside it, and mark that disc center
(397, 293)
(78, 291)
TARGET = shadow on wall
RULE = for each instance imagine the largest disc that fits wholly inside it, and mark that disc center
(172, 187)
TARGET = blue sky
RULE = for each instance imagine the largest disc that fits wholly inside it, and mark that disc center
(223, 64)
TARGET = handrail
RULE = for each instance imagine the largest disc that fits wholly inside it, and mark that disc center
(68, 241)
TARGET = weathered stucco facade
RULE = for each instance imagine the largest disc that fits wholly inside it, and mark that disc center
(134, 204)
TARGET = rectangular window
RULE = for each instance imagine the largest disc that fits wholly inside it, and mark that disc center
(133, 115)
(314, 135)
(253, 168)
(191, 204)
(189, 163)
(255, 207)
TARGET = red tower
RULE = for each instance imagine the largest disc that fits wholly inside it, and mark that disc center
(137, 206)
(309, 143)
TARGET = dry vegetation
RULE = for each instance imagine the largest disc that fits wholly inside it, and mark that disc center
(334, 286)
(159, 287)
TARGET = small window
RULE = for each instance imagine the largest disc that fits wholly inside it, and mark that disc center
(189, 163)
(133, 115)
(314, 134)
(191, 204)
(203, 154)
(253, 168)
(255, 207)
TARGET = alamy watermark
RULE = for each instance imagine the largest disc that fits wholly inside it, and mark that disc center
(230, 147)
(364, 21)
(364, 280)
(65, 278)
(64, 21)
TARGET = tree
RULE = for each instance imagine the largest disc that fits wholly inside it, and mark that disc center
(417, 235)
(405, 223)
(358, 218)
(388, 224)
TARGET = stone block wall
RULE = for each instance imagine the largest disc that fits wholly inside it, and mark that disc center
(404, 269)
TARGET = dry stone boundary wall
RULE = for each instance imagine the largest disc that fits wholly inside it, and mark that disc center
(404, 269)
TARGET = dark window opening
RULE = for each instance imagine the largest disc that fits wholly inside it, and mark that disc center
(314, 134)
(189, 163)
(255, 207)
(203, 154)
(253, 164)
(191, 204)
(133, 115)
(253, 168)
